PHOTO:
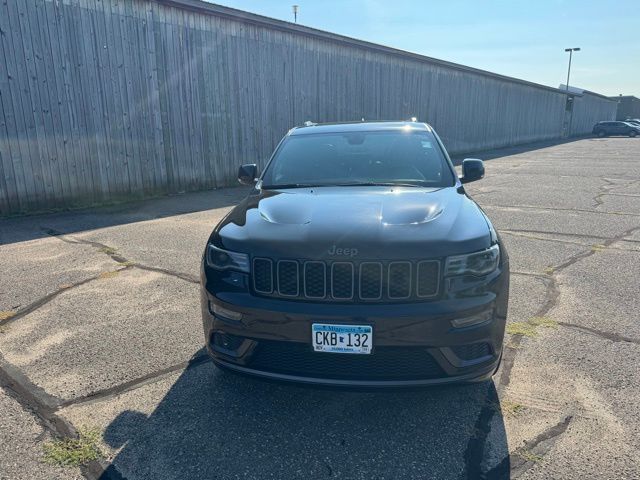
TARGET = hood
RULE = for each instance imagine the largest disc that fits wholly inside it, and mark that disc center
(355, 223)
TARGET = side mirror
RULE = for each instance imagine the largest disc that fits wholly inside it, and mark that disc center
(472, 170)
(247, 174)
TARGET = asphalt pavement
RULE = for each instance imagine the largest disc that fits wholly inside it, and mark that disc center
(100, 329)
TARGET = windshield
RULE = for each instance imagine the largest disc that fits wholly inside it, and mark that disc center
(411, 158)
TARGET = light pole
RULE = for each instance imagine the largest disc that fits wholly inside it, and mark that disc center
(570, 50)
(569, 97)
(295, 13)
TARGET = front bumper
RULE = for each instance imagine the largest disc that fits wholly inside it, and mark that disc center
(414, 344)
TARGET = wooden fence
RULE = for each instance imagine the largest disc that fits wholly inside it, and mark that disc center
(104, 100)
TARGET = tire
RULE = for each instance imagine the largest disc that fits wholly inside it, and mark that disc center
(601, 134)
(633, 133)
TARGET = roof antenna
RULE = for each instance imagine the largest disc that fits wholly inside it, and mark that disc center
(414, 119)
(362, 119)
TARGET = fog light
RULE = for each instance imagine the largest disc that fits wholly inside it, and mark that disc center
(473, 320)
(226, 313)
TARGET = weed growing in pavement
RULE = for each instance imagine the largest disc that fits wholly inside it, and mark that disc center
(529, 328)
(543, 322)
(108, 250)
(511, 409)
(109, 274)
(6, 314)
(72, 452)
(521, 328)
(529, 456)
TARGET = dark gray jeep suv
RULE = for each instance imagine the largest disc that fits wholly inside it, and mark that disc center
(357, 259)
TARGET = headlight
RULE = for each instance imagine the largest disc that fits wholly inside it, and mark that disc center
(477, 263)
(226, 260)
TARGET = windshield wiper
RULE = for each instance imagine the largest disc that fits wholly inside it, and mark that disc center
(342, 184)
(292, 185)
(378, 184)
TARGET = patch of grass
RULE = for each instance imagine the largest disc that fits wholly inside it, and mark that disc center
(549, 270)
(6, 314)
(598, 248)
(108, 250)
(128, 263)
(544, 322)
(521, 328)
(111, 274)
(511, 409)
(68, 452)
(529, 456)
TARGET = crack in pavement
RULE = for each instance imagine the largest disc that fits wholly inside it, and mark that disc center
(32, 307)
(568, 242)
(116, 390)
(516, 463)
(602, 190)
(37, 402)
(555, 209)
(614, 337)
(44, 406)
(112, 253)
(474, 453)
(544, 232)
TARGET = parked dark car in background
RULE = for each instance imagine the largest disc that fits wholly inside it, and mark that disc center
(605, 129)
(358, 259)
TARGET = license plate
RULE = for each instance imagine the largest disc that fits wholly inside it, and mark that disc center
(342, 338)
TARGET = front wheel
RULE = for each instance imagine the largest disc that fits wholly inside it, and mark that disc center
(633, 134)
(601, 134)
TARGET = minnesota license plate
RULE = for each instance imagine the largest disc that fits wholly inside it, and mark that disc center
(342, 338)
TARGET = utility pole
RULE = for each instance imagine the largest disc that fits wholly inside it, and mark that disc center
(295, 13)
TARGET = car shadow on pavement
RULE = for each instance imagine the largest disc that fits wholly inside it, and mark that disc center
(213, 424)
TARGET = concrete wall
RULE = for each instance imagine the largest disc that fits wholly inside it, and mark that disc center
(109, 100)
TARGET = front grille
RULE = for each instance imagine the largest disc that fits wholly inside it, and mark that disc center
(385, 363)
(347, 281)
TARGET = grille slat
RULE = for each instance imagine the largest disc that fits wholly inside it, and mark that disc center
(263, 275)
(315, 279)
(288, 278)
(428, 278)
(370, 281)
(399, 280)
(344, 281)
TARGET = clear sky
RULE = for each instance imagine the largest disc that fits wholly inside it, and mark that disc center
(523, 39)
